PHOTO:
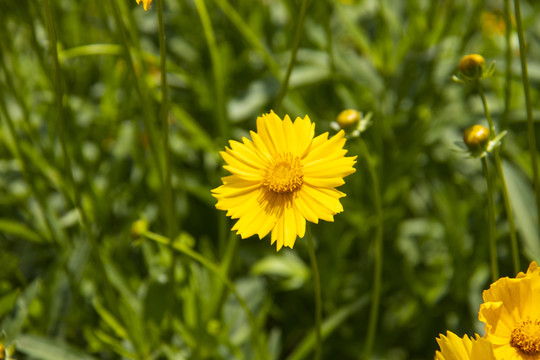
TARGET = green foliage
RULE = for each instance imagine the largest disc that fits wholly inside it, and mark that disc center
(75, 284)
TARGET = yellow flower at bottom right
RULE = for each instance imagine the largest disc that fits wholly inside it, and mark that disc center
(455, 348)
(511, 312)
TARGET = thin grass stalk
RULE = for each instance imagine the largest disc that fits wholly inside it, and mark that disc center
(239, 22)
(378, 264)
(504, 188)
(256, 337)
(508, 67)
(75, 197)
(168, 193)
(221, 112)
(140, 89)
(217, 67)
(317, 294)
(491, 220)
(32, 134)
(28, 178)
(294, 51)
(164, 115)
(526, 89)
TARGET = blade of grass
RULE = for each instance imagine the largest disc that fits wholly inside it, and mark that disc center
(526, 89)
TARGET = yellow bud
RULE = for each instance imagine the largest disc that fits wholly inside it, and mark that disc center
(472, 65)
(138, 228)
(349, 119)
(476, 138)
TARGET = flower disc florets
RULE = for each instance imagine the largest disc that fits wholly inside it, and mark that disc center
(526, 337)
(284, 174)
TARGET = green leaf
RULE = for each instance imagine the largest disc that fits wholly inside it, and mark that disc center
(522, 198)
(43, 348)
(18, 230)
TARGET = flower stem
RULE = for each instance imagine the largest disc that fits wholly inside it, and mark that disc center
(377, 274)
(164, 114)
(217, 67)
(508, 69)
(318, 298)
(504, 188)
(168, 193)
(480, 88)
(257, 339)
(294, 51)
(140, 88)
(74, 194)
(526, 90)
(491, 217)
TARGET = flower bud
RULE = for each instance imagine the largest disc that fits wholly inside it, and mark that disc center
(477, 139)
(138, 228)
(473, 66)
(349, 119)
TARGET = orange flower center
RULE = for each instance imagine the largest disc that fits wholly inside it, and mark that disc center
(526, 337)
(284, 174)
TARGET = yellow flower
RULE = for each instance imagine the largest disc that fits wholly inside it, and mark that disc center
(283, 177)
(455, 348)
(493, 23)
(146, 3)
(511, 312)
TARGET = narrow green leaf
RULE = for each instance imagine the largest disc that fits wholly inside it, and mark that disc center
(43, 348)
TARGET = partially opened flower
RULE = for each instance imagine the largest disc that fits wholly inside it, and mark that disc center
(511, 312)
(455, 348)
(146, 3)
(282, 177)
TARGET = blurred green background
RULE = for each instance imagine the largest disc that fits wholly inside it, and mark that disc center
(75, 287)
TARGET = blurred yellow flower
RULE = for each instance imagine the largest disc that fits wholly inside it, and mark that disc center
(493, 23)
(455, 348)
(282, 177)
(146, 3)
(511, 312)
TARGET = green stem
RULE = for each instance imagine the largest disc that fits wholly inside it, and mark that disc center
(509, 212)
(28, 178)
(242, 26)
(168, 193)
(164, 114)
(526, 88)
(480, 88)
(377, 274)
(294, 51)
(217, 67)
(508, 69)
(491, 217)
(318, 297)
(140, 89)
(75, 195)
(257, 338)
(504, 189)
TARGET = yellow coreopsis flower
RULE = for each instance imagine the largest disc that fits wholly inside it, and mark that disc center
(455, 348)
(511, 312)
(146, 3)
(282, 177)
